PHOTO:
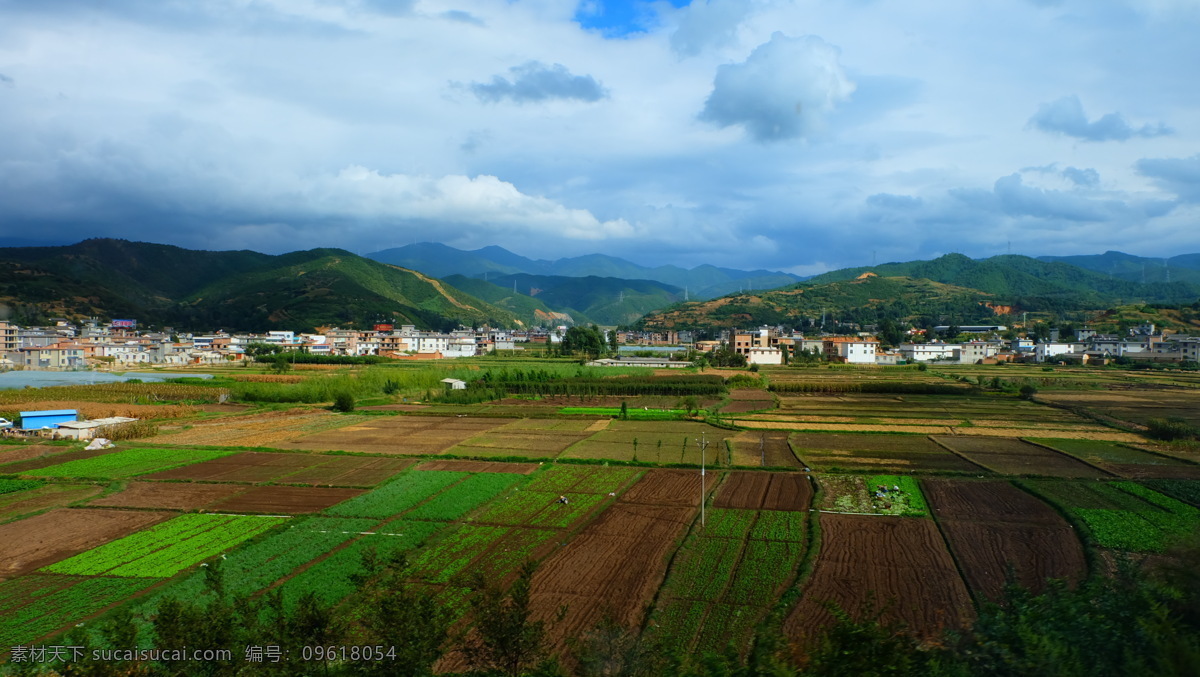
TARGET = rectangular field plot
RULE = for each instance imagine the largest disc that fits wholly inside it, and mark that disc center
(525, 439)
(268, 429)
(397, 435)
(169, 495)
(1123, 515)
(276, 500)
(1014, 457)
(1124, 460)
(257, 565)
(897, 453)
(479, 466)
(762, 449)
(873, 495)
(456, 501)
(662, 442)
(899, 564)
(671, 487)
(721, 584)
(18, 504)
(583, 479)
(166, 549)
(37, 605)
(771, 491)
(992, 526)
(257, 466)
(47, 538)
(401, 494)
(1185, 490)
(127, 463)
(613, 567)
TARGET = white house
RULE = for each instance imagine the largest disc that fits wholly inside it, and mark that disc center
(764, 355)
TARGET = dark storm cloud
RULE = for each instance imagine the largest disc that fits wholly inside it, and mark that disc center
(535, 81)
(1066, 116)
(783, 90)
(1178, 175)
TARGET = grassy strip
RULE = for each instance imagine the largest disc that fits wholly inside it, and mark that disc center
(128, 462)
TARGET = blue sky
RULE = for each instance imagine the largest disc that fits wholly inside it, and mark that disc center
(800, 135)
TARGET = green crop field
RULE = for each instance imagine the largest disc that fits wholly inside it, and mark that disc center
(460, 499)
(35, 605)
(875, 494)
(1106, 452)
(1124, 515)
(13, 486)
(168, 548)
(128, 463)
(1184, 490)
(398, 495)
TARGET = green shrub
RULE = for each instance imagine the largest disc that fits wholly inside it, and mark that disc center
(1171, 428)
(1027, 392)
(344, 402)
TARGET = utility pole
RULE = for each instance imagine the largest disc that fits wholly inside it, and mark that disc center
(703, 444)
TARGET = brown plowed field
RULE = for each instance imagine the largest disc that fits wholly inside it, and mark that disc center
(47, 538)
(169, 495)
(258, 466)
(397, 435)
(1144, 471)
(898, 453)
(12, 454)
(47, 461)
(993, 525)
(1013, 457)
(745, 400)
(285, 500)
(760, 490)
(671, 487)
(901, 560)
(614, 566)
(749, 448)
(21, 503)
(479, 466)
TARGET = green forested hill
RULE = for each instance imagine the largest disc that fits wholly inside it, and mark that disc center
(160, 284)
(864, 300)
(523, 306)
(604, 300)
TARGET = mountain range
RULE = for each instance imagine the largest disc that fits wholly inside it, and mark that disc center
(701, 282)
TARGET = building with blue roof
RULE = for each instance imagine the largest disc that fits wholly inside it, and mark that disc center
(38, 420)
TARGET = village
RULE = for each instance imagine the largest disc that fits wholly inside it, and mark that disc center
(120, 344)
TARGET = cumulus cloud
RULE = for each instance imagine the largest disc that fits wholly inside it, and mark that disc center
(783, 90)
(535, 81)
(1082, 177)
(1065, 116)
(707, 24)
(1178, 175)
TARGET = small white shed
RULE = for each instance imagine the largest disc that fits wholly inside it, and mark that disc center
(455, 384)
(86, 430)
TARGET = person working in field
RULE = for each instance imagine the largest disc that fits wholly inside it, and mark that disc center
(562, 499)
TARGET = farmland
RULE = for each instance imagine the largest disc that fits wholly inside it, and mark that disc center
(920, 503)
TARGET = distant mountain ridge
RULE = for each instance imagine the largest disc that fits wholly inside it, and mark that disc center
(1181, 268)
(235, 290)
(701, 282)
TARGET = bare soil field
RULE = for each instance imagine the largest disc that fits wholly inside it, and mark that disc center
(670, 488)
(46, 461)
(1136, 406)
(258, 466)
(26, 452)
(767, 491)
(169, 495)
(612, 568)
(1015, 457)
(899, 563)
(992, 526)
(16, 505)
(874, 453)
(478, 466)
(1124, 460)
(275, 500)
(398, 435)
(263, 429)
(534, 439)
(748, 399)
(47, 538)
(750, 448)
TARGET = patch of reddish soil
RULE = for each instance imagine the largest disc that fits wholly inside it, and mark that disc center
(56, 535)
(671, 487)
(993, 527)
(169, 495)
(613, 567)
(479, 466)
(12, 454)
(898, 564)
(761, 490)
(1013, 457)
(285, 500)
(47, 461)
(259, 466)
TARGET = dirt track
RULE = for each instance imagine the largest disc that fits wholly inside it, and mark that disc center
(901, 561)
(47, 538)
(992, 526)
